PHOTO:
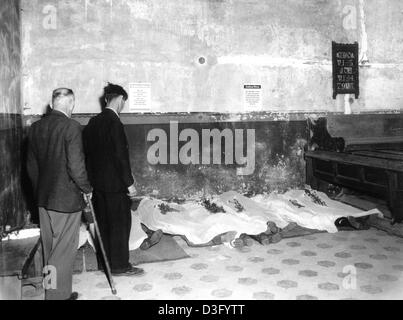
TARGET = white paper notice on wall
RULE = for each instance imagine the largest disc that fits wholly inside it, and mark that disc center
(140, 97)
(252, 97)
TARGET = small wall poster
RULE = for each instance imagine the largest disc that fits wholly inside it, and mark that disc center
(140, 97)
(252, 97)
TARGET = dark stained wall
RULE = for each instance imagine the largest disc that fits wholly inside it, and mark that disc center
(277, 149)
(11, 200)
(276, 160)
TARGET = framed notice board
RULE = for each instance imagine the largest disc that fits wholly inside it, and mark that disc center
(345, 69)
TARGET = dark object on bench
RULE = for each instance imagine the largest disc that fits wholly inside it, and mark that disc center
(371, 169)
(320, 138)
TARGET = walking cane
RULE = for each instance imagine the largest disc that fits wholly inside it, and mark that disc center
(98, 233)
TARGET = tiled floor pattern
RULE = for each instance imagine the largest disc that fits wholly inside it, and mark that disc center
(347, 265)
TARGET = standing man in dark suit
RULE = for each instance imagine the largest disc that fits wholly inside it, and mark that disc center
(108, 165)
(56, 165)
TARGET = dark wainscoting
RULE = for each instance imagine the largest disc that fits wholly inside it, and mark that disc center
(279, 143)
(12, 204)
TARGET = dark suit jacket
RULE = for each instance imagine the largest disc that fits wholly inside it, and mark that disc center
(107, 153)
(56, 163)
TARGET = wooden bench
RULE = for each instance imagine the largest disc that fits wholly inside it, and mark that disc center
(375, 172)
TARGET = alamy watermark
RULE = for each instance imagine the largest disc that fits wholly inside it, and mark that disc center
(49, 278)
(198, 150)
(350, 277)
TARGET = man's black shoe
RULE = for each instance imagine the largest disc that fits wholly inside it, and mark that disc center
(73, 296)
(131, 271)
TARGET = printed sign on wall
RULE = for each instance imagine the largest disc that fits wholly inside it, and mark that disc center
(252, 97)
(140, 97)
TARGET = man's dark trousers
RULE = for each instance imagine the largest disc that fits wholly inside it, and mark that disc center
(114, 219)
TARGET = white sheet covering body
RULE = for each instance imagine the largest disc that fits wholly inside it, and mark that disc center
(23, 234)
(309, 214)
(200, 226)
(196, 223)
(137, 234)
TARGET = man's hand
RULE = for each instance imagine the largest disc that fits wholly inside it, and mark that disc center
(132, 191)
(87, 196)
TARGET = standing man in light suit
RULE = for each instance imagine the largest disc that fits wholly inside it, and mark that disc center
(56, 166)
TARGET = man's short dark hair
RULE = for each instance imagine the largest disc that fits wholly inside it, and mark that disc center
(113, 90)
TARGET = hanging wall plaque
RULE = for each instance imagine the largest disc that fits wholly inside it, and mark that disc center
(345, 69)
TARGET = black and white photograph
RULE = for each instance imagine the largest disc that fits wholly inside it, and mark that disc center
(204, 154)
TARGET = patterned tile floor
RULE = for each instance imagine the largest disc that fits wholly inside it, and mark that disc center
(347, 265)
